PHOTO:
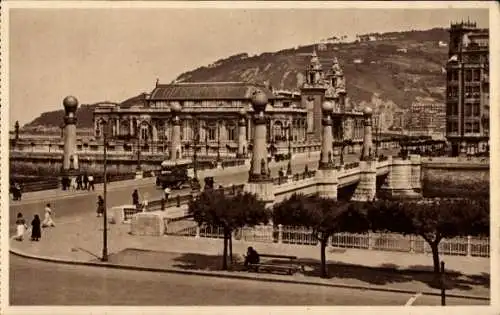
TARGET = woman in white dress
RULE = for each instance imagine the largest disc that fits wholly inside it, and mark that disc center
(20, 227)
(47, 221)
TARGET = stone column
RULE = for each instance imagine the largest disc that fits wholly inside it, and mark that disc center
(259, 179)
(326, 157)
(175, 142)
(70, 105)
(117, 127)
(154, 131)
(398, 183)
(367, 135)
(326, 176)
(242, 140)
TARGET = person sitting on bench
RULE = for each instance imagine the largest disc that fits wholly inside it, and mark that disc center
(252, 257)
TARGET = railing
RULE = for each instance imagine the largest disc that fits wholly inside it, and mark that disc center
(462, 246)
(51, 183)
(179, 200)
(352, 165)
(231, 163)
(383, 158)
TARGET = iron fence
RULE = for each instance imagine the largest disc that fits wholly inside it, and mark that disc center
(463, 246)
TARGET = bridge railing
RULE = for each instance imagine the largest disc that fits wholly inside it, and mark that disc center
(179, 200)
(351, 165)
(294, 178)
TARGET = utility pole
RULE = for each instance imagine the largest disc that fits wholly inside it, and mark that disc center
(105, 216)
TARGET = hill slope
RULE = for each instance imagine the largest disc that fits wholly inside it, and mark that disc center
(375, 71)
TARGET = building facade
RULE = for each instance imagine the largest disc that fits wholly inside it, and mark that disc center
(467, 89)
(427, 119)
(211, 114)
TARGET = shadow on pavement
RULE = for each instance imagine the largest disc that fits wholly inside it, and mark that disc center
(381, 275)
(388, 273)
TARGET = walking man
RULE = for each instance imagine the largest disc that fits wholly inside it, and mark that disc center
(85, 181)
(135, 198)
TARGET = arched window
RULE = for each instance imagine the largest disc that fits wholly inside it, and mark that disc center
(145, 132)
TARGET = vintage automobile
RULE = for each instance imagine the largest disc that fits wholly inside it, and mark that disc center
(174, 176)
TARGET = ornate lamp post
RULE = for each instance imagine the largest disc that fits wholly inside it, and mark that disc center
(218, 141)
(196, 142)
(367, 134)
(138, 167)
(326, 161)
(289, 165)
(16, 131)
(258, 170)
(242, 123)
(175, 144)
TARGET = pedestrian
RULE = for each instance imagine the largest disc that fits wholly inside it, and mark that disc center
(166, 191)
(79, 182)
(16, 194)
(91, 182)
(85, 181)
(36, 231)
(135, 198)
(74, 185)
(20, 227)
(100, 206)
(48, 222)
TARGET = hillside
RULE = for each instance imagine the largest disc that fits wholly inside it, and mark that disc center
(376, 72)
(371, 68)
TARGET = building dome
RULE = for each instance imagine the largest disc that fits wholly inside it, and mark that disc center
(175, 107)
(367, 111)
(259, 101)
(327, 106)
(70, 104)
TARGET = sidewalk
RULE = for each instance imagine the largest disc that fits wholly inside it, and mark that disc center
(80, 241)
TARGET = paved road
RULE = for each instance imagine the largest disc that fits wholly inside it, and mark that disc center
(68, 208)
(43, 283)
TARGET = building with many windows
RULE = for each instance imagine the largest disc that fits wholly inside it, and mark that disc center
(467, 89)
(427, 118)
(212, 112)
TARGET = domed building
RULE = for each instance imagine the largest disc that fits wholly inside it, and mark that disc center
(210, 113)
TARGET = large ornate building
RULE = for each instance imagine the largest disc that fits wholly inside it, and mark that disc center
(211, 114)
(467, 85)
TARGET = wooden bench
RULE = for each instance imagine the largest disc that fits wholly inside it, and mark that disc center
(290, 268)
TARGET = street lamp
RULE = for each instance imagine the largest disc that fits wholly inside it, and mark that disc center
(218, 141)
(138, 167)
(105, 215)
(289, 165)
(196, 141)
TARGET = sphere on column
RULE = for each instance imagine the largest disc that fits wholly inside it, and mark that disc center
(70, 104)
(175, 107)
(242, 113)
(367, 111)
(327, 107)
(259, 101)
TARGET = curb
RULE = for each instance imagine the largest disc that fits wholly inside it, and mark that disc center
(234, 276)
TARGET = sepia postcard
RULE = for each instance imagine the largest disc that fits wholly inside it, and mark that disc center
(162, 157)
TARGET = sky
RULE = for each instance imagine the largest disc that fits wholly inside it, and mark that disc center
(104, 54)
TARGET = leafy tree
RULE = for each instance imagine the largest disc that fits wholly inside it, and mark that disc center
(325, 216)
(215, 208)
(432, 219)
